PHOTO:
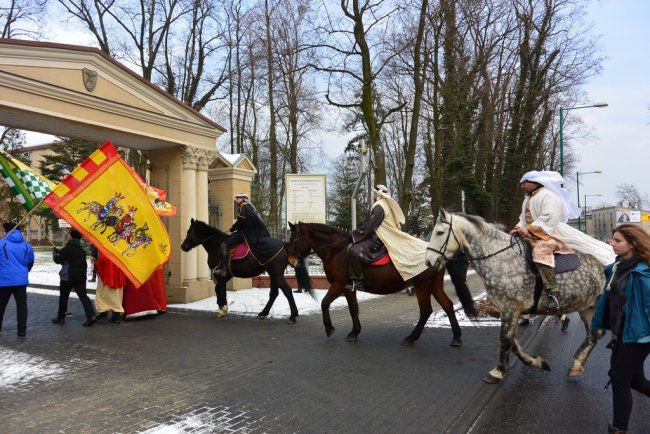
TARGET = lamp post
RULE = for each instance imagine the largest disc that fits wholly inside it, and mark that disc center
(578, 188)
(587, 195)
(562, 118)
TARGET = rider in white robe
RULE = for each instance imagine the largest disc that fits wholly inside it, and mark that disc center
(544, 214)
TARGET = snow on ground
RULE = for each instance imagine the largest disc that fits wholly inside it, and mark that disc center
(248, 302)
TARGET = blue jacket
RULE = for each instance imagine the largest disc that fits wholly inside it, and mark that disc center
(16, 259)
(637, 305)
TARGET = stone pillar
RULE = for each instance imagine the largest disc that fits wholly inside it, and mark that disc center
(203, 162)
(188, 202)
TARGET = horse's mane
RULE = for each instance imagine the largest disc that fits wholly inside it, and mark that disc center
(480, 223)
(203, 226)
(327, 229)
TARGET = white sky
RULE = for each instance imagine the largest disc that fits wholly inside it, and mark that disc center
(620, 132)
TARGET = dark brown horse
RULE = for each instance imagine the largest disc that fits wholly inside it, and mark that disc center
(330, 244)
(200, 233)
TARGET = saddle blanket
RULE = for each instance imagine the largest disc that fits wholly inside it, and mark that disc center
(566, 262)
(381, 261)
(239, 252)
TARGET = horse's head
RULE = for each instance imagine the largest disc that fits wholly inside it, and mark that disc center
(198, 233)
(298, 247)
(444, 243)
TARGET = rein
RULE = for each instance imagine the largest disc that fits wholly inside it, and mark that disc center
(300, 257)
(513, 241)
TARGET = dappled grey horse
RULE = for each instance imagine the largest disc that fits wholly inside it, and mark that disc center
(499, 259)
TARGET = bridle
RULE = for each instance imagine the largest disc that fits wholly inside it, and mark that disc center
(442, 252)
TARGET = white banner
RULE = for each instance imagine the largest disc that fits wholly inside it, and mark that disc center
(306, 198)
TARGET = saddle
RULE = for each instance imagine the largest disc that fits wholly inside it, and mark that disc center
(239, 252)
(563, 263)
(381, 261)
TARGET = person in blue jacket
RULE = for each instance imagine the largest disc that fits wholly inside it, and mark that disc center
(16, 259)
(624, 309)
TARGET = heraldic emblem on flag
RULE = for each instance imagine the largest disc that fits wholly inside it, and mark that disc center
(27, 186)
(103, 199)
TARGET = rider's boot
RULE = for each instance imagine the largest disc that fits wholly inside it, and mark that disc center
(355, 271)
(547, 275)
(223, 264)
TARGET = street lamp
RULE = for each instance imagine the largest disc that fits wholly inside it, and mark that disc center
(587, 195)
(578, 188)
(562, 112)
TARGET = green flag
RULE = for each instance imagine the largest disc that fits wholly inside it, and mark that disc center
(29, 187)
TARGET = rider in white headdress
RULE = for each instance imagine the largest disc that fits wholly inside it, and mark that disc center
(382, 232)
(544, 213)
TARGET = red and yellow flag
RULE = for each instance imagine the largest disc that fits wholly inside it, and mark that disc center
(104, 200)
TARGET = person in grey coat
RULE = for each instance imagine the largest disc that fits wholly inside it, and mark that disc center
(73, 276)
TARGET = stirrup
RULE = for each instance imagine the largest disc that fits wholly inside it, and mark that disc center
(551, 307)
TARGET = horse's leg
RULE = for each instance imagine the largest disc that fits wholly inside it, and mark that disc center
(441, 297)
(334, 291)
(580, 357)
(286, 290)
(273, 294)
(222, 301)
(424, 302)
(506, 338)
(353, 307)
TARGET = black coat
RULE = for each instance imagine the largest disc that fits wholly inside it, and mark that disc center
(73, 260)
(367, 245)
(250, 225)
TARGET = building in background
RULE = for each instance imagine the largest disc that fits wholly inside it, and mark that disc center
(599, 222)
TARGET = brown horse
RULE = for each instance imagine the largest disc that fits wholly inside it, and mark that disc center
(200, 233)
(330, 244)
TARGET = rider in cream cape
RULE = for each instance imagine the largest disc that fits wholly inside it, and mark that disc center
(384, 221)
(544, 213)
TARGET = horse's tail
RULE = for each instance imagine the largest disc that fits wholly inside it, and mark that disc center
(304, 281)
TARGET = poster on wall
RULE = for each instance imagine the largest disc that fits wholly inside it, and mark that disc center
(306, 198)
(628, 216)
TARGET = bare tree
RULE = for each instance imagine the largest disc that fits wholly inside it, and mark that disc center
(22, 18)
(629, 196)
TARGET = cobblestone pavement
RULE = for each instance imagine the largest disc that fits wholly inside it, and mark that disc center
(191, 372)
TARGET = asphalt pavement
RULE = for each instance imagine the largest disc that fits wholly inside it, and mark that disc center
(191, 372)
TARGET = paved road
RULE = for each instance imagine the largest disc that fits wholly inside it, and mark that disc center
(190, 372)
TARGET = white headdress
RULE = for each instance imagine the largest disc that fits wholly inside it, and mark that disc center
(383, 192)
(242, 195)
(553, 181)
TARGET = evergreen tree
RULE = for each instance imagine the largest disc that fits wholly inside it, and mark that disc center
(346, 173)
(12, 141)
(67, 154)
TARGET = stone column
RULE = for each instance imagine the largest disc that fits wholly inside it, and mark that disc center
(189, 158)
(205, 157)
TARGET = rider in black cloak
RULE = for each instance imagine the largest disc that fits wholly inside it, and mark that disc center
(248, 228)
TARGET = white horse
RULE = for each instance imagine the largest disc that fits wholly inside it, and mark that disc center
(499, 259)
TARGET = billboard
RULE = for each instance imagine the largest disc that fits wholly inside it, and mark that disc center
(628, 216)
(306, 198)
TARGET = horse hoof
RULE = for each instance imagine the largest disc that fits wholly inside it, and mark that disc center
(407, 343)
(351, 338)
(223, 311)
(490, 379)
(545, 366)
(329, 331)
(456, 343)
(291, 320)
(260, 316)
(573, 372)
